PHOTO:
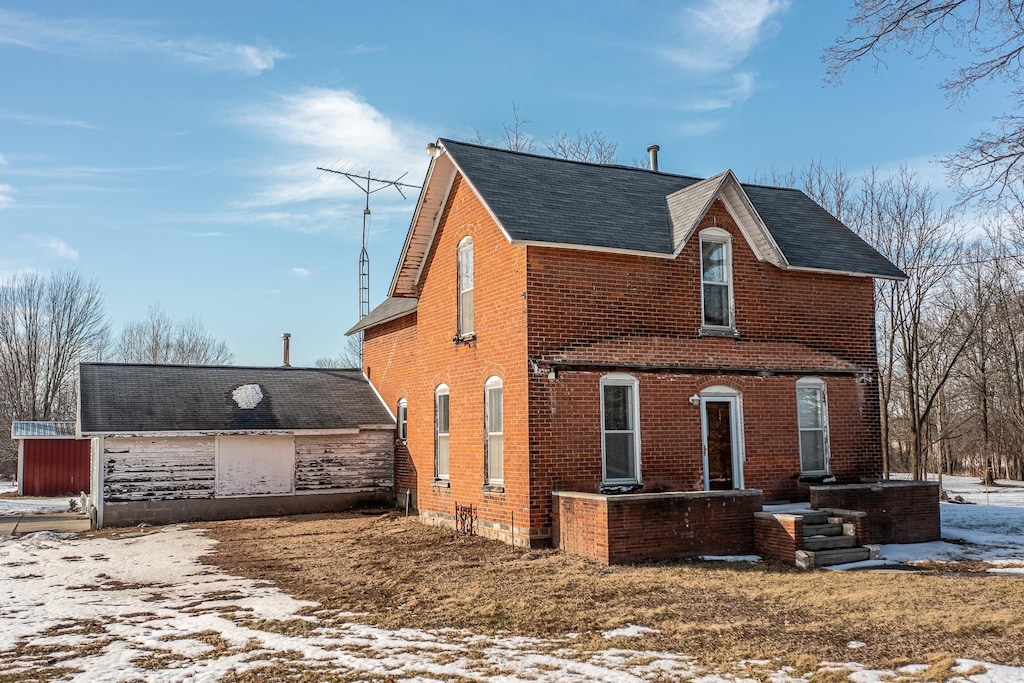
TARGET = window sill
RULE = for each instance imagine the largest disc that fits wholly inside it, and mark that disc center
(401, 442)
(441, 483)
(464, 338)
(816, 478)
(718, 332)
(625, 487)
(494, 488)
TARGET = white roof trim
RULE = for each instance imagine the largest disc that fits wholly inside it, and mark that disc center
(850, 273)
(236, 432)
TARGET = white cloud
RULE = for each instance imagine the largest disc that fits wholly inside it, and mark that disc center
(6, 195)
(695, 129)
(742, 89)
(58, 246)
(302, 272)
(719, 34)
(3, 160)
(205, 234)
(104, 37)
(52, 121)
(317, 125)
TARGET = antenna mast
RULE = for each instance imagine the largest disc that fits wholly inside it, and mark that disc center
(366, 184)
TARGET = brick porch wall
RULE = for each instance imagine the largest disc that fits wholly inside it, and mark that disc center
(896, 511)
(615, 529)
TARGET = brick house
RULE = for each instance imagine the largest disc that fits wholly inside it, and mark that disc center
(562, 338)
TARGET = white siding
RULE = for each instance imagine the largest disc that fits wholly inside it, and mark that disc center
(255, 465)
(345, 462)
(157, 469)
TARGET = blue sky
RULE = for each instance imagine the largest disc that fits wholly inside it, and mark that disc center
(170, 149)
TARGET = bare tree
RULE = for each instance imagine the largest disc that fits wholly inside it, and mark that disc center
(159, 339)
(992, 32)
(514, 136)
(47, 326)
(349, 357)
(590, 147)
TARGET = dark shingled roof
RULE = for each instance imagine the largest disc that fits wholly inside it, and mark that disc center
(22, 429)
(538, 198)
(392, 308)
(118, 398)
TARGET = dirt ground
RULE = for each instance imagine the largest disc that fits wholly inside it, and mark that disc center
(399, 573)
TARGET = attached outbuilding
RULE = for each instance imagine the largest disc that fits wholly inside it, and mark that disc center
(184, 443)
(51, 461)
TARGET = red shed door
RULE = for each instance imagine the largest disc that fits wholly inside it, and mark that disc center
(55, 467)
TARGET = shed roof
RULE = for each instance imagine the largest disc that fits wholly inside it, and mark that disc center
(47, 429)
(392, 308)
(129, 399)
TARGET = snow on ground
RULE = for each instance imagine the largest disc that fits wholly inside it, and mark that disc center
(7, 486)
(33, 506)
(144, 607)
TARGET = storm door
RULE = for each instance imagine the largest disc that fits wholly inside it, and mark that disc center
(723, 462)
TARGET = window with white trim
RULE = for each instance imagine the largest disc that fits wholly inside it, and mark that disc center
(494, 424)
(812, 422)
(403, 419)
(465, 265)
(441, 415)
(716, 278)
(620, 435)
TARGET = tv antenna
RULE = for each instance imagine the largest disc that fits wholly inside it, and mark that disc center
(368, 185)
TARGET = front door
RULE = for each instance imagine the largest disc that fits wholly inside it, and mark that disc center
(723, 466)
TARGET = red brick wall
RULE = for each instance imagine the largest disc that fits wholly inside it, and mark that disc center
(896, 512)
(410, 357)
(629, 528)
(778, 536)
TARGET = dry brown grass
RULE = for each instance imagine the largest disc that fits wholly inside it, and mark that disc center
(403, 574)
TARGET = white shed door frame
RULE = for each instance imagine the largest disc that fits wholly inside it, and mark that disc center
(255, 466)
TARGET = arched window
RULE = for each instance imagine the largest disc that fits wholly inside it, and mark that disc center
(403, 419)
(620, 432)
(716, 278)
(494, 422)
(812, 422)
(441, 432)
(465, 259)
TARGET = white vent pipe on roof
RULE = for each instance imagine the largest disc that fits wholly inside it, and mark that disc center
(286, 343)
(653, 152)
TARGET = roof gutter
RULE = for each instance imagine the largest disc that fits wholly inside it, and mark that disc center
(583, 366)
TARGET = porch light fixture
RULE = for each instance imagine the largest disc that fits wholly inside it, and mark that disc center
(695, 400)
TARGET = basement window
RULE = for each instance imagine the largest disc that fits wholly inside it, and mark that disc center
(812, 422)
(716, 279)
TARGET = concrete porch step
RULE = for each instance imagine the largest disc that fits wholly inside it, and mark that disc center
(809, 559)
(829, 542)
(813, 516)
(824, 529)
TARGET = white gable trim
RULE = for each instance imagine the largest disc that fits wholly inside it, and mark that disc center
(434, 226)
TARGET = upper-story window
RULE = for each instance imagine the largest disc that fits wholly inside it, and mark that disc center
(495, 426)
(620, 434)
(465, 258)
(403, 419)
(716, 278)
(812, 422)
(441, 415)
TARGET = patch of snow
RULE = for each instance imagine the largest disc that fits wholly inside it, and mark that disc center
(629, 631)
(248, 396)
(863, 564)
(856, 644)
(1006, 570)
(731, 558)
(8, 486)
(33, 506)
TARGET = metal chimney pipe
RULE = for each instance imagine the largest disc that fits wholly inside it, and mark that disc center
(653, 152)
(286, 344)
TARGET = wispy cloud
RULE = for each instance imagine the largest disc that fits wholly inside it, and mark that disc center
(6, 195)
(51, 121)
(719, 34)
(695, 129)
(741, 91)
(3, 160)
(105, 37)
(363, 49)
(317, 125)
(302, 272)
(68, 172)
(203, 235)
(57, 246)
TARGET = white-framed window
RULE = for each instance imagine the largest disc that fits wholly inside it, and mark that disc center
(716, 278)
(465, 265)
(494, 421)
(441, 416)
(403, 419)
(812, 422)
(620, 433)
